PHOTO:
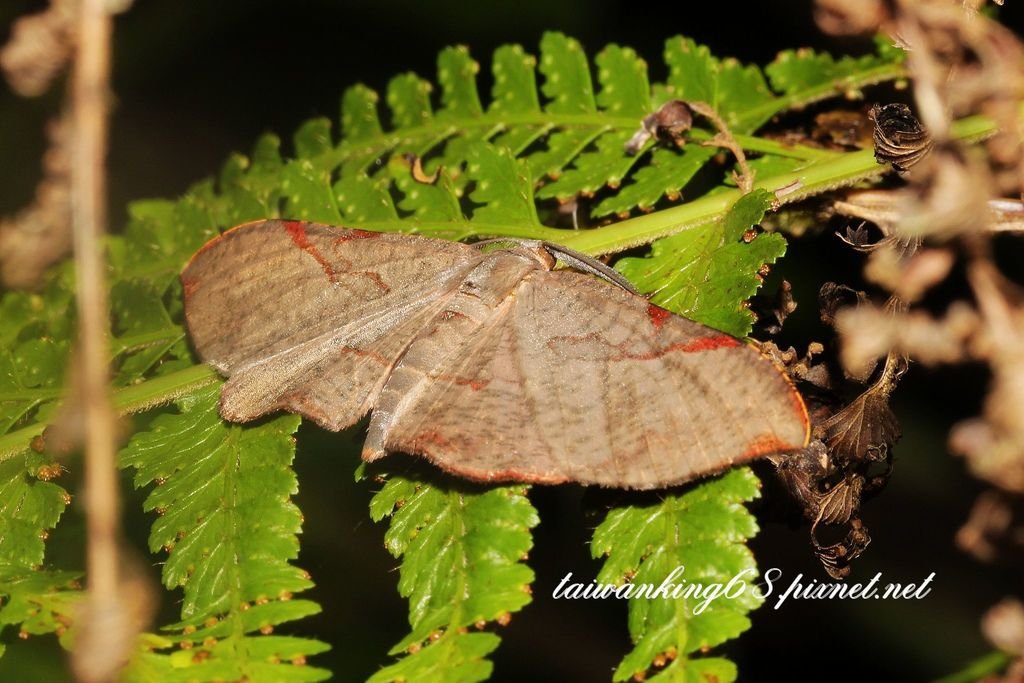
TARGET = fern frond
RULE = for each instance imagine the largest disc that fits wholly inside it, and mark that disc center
(37, 601)
(34, 341)
(804, 76)
(703, 531)
(571, 134)
(708, 272)
(229, 527)
(462, 556)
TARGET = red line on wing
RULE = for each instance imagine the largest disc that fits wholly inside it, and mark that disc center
(622, 350)
(367, 353)
(658, 315)
(722, 341)
(699, 345)
(297, 231)
(356, 235)
(377, 279)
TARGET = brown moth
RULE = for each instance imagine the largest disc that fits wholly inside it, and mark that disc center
(489, 363)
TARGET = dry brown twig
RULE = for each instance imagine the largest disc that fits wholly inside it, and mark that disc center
(72, 194)
(102, 613)
(994, 443)
(115, 608)
(723, 138)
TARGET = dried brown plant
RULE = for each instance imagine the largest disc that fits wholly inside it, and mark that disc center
(950, 208)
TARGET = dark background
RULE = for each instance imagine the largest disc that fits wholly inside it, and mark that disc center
(196, 80)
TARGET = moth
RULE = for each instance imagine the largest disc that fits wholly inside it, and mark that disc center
(489, 362)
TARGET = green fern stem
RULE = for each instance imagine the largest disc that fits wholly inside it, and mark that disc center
(135, 342)
(128, 400)
(831, 172)
(841, 171)
(679, 607)
(461, 588)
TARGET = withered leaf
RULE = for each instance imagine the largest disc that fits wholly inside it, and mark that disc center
(488, 363)
(828, 497)
(840, 502)
(899, 137)
(863, 430)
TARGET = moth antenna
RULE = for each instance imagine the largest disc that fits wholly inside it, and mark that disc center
(569, 257)
(590, 265)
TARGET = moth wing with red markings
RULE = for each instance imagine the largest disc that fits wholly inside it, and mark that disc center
(572, 379)
(305, 317)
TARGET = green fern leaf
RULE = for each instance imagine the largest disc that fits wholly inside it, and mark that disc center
(38, 602)
(409, 101)
(361, 130)
(732, 89)
(738, 93)
(145, 332)
(362, 199)
(359, 119)
(807, 76)
(503, 188)
(462, 554)
(458, 658)
(228, 524)
(258, 658)
(707, 272)
(667, 173)
(313, 139)
(161, 235)
(515, 83)
(515, 93)
(569, 90)
(30, 378)
(33, 351)
(424, 202)
(624, 93)
(567, 83)
(249, 196)
(456, 72)
(28, 507)
(223, 504)
(576, 138)
(309, 195)
(703, 531)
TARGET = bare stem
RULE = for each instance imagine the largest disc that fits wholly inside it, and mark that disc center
(89, 94)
